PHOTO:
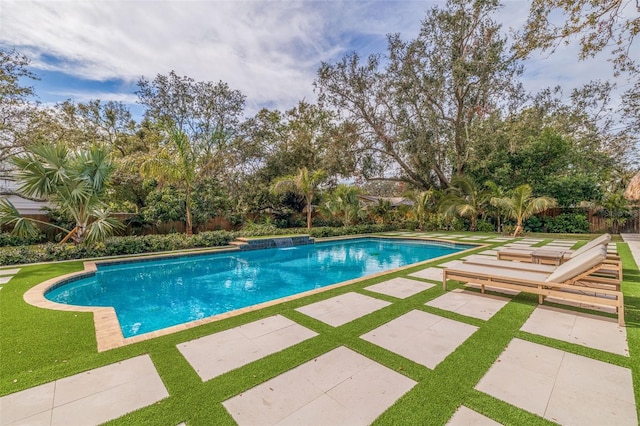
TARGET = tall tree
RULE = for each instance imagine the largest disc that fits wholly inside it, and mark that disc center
(305, 183)
(414, 116)
(199, 121)
(206, 113)
(16, 108)
(75, 182)
(175, 163)
(599, 24)
(521, 205)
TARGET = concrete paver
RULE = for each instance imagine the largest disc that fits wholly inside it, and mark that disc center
(92, 397)
(583, 329)
(339, 387)
(450, 264)
(342, 309)
(560, 386)
(9, 271)
(471, 304)
(489, 252)
(400, 287)
(5, 279)
(227, 350)
(433, 274)
(467, 417)
(421, 337)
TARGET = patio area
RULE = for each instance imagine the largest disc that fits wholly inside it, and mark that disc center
(384, 351)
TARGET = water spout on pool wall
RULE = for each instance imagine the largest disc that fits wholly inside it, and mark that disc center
(283, 242)
(274, 242)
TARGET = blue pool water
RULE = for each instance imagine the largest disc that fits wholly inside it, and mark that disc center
(155, 294)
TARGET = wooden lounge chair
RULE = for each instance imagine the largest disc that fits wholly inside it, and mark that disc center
(555, 256)
(569, 281)
(609, 272)
(509, 253)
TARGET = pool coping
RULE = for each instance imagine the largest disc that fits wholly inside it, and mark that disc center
(109, 334)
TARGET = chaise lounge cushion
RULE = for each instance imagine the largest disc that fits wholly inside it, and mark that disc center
(578, 264)
(603, 239)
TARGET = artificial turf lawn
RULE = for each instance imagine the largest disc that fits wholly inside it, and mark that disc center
(39, 345)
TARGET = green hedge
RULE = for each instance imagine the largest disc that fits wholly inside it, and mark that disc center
(115, 246)
(8, 240)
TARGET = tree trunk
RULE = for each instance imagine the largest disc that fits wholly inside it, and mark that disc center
(308, 212)
(518, 229)
(189, 224)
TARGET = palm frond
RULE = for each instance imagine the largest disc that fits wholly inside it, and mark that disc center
(102, 227)
(22, 226)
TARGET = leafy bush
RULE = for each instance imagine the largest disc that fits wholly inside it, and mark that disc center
(534, 224)
(485, 226)
(567, 223)
(411, 225)
(8, 240)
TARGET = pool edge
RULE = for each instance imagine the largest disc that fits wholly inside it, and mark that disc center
(109, 333)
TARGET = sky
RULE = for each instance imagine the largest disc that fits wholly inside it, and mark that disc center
(270, 50)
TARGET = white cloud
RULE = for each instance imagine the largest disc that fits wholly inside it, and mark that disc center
(269, 50)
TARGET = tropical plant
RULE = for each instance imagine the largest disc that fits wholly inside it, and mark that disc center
(175, 163)
(465, 198)
(343, 203)
(305, 183)
(614, 207)
(424, 203)
(496, 191)
(75, 182)
(381, 213)
(521, 205)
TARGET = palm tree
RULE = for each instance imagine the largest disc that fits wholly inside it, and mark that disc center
(175, 163)
(423, 203)
(465, 198)
(74, 182)
(496, 191)
(614, 207)
(522, 205)
(343, 203)
(304, 183)
(382, 212)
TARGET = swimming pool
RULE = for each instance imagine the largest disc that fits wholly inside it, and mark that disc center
(150, 295)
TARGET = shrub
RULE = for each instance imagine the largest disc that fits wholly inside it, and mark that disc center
(8, 240)
(567, 223)
(485, 226)
(534, 224)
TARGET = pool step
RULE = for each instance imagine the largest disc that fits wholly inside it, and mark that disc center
(272, 242)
